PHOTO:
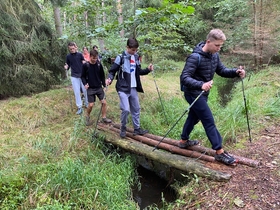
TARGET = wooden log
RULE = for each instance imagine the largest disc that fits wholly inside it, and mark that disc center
(176, 161)
(241, 160)
(168, 147)
(198, 148)
(152, 136)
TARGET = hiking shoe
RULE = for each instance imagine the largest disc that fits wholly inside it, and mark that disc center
(88, 122)
(106, 120)
(187, 143)
(225, 158)
(139, 131)
(80, 111)
(123, 132)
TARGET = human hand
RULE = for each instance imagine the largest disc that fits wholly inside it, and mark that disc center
(207, 86)
(108, 81)
(151, 67)
(66, 66)
(241, 72)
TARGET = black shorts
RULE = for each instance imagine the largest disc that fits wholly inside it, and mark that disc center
(93, 92)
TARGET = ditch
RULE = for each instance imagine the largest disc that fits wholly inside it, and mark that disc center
(154, 187)
(155, 191)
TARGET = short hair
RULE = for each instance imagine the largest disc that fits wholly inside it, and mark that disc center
(72, 44)
(132, 43)
(85, 48)
(93, 53)
(94, 46)
(216, 34)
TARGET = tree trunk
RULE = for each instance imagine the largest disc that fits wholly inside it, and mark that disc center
(120, 18)
(255, 34)
(86, 18)
(101, 41)
(57, 20)
(261, 33)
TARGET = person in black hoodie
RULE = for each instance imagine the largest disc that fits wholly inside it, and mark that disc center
(197, 76)
(93, 78)
(75, 60)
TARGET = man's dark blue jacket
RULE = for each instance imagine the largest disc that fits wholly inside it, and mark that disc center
(196, 72)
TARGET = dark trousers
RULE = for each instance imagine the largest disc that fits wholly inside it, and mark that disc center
(201, 111)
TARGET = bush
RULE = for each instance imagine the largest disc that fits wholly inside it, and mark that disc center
(167, 66)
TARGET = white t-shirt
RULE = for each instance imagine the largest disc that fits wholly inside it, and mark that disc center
(132, 71)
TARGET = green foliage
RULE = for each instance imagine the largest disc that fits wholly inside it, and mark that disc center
(156, 24)
(99, 179)
(13, 190)
(233, 11)
(160, 25)
(97, 11)
(166, 65)
(114, 47)
(31, 57)
(48, 161)
(105, 182)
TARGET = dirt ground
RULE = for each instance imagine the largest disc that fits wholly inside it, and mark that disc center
(249, 188)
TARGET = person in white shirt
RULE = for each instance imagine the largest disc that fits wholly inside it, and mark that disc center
(128, 69)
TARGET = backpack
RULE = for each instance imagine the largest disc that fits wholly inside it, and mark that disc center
(198, 63)
(121, 64)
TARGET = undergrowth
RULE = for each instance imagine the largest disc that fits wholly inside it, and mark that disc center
(48, 159)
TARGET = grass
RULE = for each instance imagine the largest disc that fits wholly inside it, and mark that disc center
(48, 159)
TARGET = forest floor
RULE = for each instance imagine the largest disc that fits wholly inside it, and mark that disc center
(249, 188)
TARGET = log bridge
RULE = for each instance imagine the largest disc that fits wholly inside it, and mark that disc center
(197, 159)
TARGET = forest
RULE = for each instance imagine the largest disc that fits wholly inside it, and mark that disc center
(34, 34)
(48, 158)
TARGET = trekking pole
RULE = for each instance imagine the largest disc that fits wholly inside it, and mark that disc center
(160, 98)
(179, 119)
(246, 110)
(94, 132)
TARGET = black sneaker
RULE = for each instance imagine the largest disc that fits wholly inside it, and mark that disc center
(139, 131)
(187, 143)
(123, 132)
(225, 158)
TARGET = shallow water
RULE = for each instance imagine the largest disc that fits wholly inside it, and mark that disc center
(153, 188)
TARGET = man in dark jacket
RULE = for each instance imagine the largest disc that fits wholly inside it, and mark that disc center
(93, 78)
(197, 76)
(128, 85)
